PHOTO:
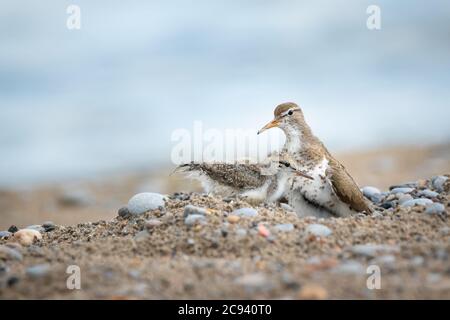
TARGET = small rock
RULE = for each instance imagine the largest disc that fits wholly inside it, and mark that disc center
(435, 208)
(313, 292)
(144, 202)
(233, 218)
(190, 209)
(48, 226)
(402, 190)
(241, 232)
(428, 193)
(370, 192)
(245, 212)
(377, 198)
(387, 205)
(416, 202)
(27, 237)
(124, 212)
(36, 227)
(412, 184)
(439, 182)
(254, 282)
(193, 219)
(406, 197)
(141, 236)
(38, 271)
(182, 196)
(372, 250)
(319, 230)
(263, 231)
(13, 229)
(5, 234)
(284, 227)
(7, 253)
(152, 223)
(286, 207)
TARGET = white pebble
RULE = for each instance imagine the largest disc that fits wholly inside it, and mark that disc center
(416, 202)
(27, 237)
(435, 208)
(319, 230)
(144, 202)
(194, 218)
(245, 212)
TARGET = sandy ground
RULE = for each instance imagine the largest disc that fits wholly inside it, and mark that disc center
(120, 258)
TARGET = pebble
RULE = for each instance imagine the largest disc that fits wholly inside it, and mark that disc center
(152, 223)
(5, 234)
(313, 292)
(428, 193)
(124, 212)
(38, 271)
(406, 197)
(245, 212)
(372, 250)
(241, 232)
(233, 218)
(263, 231)
(36, 227)
(284, 227)
(416, 202)
(254, 282)
(350, 267)
(319, 230)
(193, 219)
(286, 207)
(13, 229)
(387, 205)
(412, 184)
(144, 202)
(49, 226)
(386, 260)
(402, 190)
(435, 208)
(7, 253)
(371, 192)
(27, 237)
(190, 209)
(141, 236)
(438, 182)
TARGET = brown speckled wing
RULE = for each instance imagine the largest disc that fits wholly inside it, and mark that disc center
(345, 187)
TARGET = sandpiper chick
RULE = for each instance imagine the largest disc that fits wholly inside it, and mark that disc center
(332, 191)
(255, 183)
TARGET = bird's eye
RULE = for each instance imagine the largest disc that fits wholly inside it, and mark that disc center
(290, 112)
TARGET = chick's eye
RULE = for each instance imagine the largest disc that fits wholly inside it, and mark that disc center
(290, 112)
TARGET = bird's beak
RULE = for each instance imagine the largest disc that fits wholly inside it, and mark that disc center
(271, 124)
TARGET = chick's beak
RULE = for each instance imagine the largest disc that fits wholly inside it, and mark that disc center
(271, 124)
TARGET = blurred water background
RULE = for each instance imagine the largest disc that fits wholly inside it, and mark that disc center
(78, 103)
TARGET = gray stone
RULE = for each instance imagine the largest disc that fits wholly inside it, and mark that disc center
(319, 230)
(402, 190)
(49, 226)
(377, 198)
(412, 184)
(416, 202)
(245, 212)
(193, 219)
(190, 209)
(405, 197)
(369, 192)
(438, 182)
(372, 250)
(38, 271)
(36, 227)
(428, 193)
(144, 202)
(435, 208)
(7, 253)
(124, 212)
(5, 234)
(284, 227)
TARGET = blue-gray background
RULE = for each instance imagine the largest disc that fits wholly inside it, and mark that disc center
(107, 97)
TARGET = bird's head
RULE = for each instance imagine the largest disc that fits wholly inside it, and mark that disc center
(288, 116)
